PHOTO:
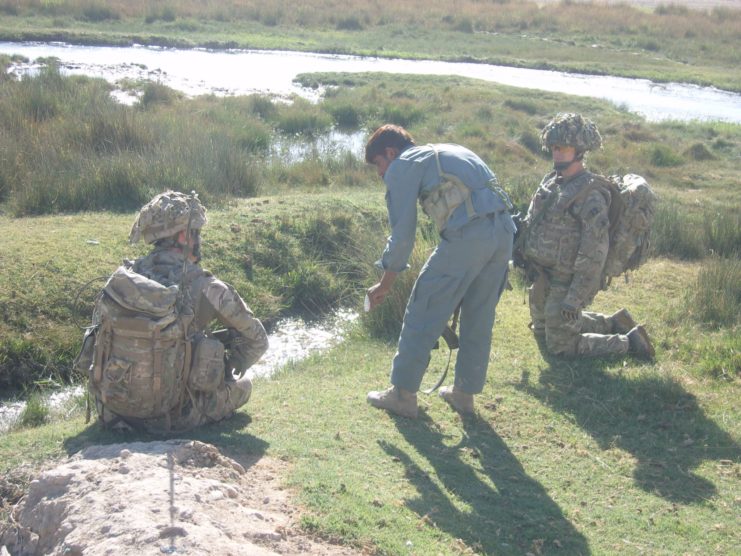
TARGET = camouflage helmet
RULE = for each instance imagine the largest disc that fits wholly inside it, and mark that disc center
(571, 130)
(166, 215)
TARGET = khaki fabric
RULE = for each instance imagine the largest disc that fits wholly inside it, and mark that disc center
(567, 241)
(589, 336)
(567, 232)
(194, 384)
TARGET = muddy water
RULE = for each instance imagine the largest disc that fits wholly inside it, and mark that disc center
(292, 340)
(243, 71)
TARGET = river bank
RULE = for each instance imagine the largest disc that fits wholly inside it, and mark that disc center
(199, 72)
(670, 45)
(295, 236)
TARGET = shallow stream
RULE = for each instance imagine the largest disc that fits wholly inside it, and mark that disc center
(238, 72)
(291, 340)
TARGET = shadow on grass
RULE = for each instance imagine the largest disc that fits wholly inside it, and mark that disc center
(228, 435)
(508, 511)
(653, 418)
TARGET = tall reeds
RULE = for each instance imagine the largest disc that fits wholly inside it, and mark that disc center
(68, 146)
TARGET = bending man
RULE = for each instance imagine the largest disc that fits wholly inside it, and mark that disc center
(468, 267)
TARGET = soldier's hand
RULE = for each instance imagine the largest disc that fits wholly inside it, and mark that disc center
(569, 312)
(236, 364)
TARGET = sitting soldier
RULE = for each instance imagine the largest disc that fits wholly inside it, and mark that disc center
(152, 362)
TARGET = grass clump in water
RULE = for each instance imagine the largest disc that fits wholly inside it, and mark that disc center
(36, 412)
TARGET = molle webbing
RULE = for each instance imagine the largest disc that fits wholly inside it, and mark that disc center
(440, 202)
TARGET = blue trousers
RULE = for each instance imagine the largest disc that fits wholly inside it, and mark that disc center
(468, 267)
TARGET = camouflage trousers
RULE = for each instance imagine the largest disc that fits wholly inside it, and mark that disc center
(199, 409)
(591, 335)
(209, 407)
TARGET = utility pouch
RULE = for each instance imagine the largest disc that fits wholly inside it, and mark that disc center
(208, 365)
(440, 202)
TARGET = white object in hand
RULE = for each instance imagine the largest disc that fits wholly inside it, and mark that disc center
(366, 303)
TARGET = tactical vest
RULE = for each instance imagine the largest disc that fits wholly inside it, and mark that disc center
(553, 235)
(551, 240)
(142, 356)
(439, 202)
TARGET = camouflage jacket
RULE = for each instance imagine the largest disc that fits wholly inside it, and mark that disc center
(211, 299)
(567, 232)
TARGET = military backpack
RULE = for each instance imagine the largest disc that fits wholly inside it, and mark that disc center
(631, 214)
(141, 354)
(632, 211)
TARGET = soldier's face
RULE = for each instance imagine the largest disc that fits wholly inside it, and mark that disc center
(562, 153)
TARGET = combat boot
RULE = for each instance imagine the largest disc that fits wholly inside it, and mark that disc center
(640, 343)
(460, 401)
(396, 400)
(622, 322)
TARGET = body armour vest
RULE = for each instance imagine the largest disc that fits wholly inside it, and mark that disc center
(554, 232)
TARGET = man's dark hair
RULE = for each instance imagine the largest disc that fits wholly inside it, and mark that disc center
(388, 135)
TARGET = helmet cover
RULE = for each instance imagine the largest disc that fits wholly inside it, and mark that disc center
(166, 215)
(571, 130)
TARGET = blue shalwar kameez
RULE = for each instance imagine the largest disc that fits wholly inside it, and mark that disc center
(468, 267)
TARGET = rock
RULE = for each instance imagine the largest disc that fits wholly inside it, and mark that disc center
(170, 497)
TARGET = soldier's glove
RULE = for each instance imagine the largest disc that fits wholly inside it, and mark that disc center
(569, 312)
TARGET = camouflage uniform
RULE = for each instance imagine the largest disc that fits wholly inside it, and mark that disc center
(209, 299)
(567, 242)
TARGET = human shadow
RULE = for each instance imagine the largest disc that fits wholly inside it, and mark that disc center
(229, 435)
(506, 510)
(653, 418)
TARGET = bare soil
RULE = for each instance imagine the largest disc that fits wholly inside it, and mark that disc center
(170, 497)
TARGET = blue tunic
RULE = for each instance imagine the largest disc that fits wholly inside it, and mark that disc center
(414, 172)
(468, 267)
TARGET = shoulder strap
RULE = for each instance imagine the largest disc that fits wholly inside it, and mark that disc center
(593, 185)
(456, 180)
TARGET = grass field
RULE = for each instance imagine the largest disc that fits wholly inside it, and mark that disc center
(609, 456)
(563, 457)
(670, 43)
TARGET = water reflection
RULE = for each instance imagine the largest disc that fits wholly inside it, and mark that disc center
(292, 340)
(240, 72)
(334, 143)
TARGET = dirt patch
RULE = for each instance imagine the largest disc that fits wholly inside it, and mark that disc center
(171, 497)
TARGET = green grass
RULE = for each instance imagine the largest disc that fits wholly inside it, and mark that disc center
(604, 456)
(675, 45)
(36, 412)
(563, 457)
(716, 296)
(284, 254)
(84, 152)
